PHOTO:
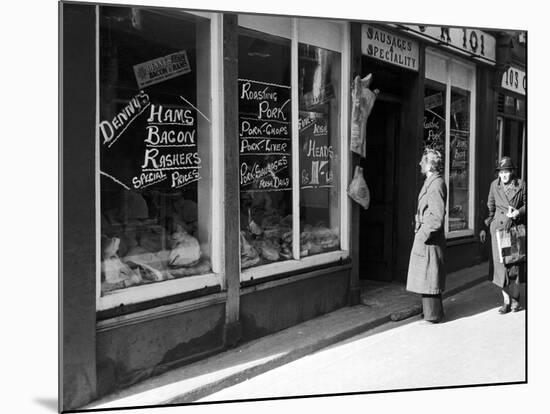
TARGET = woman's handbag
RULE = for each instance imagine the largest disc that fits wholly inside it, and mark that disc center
(511, 245)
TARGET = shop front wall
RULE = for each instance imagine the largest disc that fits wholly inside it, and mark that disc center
(77, 263)
(461, 256)
(270, 310)
(134, 351)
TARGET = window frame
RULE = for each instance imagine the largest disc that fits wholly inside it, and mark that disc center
(298, 30)
(216, 277)
(446, 78)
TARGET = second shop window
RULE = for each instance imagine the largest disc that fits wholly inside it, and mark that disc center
(155, 146)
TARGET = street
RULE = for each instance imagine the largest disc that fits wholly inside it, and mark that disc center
(475, 345)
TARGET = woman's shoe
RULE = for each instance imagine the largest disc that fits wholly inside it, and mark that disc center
(432, 322)
(504, 309)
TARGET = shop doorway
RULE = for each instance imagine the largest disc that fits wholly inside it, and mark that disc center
(512, 144)
(376, 234)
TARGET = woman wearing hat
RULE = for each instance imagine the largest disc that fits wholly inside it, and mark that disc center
(507, 206)
(426, 274)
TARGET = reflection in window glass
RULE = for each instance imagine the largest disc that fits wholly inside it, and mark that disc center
(459, 180)
(264, 149)
(319, 91)
(154, 139)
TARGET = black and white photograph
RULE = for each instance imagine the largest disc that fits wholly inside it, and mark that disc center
(285, 208)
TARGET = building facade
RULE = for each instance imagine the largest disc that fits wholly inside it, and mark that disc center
(205, 162)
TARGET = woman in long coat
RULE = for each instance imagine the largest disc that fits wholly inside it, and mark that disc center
(427, 273)
(507, 206)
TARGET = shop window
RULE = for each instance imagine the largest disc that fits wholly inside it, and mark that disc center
(319, 89)
(292, 133)
(449, 103)
(155, 152)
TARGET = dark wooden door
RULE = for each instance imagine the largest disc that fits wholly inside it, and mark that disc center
(376, 223)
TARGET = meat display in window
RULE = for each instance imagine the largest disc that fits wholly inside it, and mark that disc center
(115, 273)
(185, 249)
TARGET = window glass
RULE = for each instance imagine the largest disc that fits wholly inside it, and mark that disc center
(154, 146)
(459, 168)
(319, 91)
(434, 116)
(265, 138)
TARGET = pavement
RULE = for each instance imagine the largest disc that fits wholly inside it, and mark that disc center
(475, 346)
(380, 304)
